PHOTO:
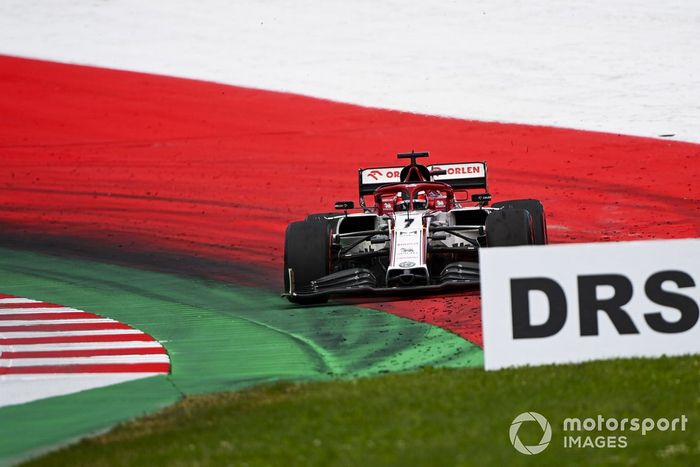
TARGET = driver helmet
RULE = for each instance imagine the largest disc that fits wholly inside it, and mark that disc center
(421, 200)
(399, 204)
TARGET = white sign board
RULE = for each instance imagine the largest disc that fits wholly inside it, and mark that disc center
(577, 302)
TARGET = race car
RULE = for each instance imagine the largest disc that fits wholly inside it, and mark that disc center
(417, 230)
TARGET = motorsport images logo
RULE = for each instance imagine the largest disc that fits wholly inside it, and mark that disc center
(535, 448)
(591, 432)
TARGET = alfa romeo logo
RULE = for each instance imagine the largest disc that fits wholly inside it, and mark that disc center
(375, 174)
(546, 433)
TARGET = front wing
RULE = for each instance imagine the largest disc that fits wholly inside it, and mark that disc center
(387, 291)
(352, 282)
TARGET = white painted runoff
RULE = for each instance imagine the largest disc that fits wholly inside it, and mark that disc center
(623, 66)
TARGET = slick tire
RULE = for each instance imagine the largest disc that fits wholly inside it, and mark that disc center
(509, 227)
(536, 210)
(307, 254)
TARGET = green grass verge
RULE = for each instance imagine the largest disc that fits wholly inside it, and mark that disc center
(429, 417)
(220, 337)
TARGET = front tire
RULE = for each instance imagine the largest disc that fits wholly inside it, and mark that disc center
(307, 254)
(536, 210)
(509, 227)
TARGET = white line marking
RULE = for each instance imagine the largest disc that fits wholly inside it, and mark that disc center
(17, 300)
(61, 309)
(79, 346)
(98, 332)
(29, 362)
(37, 322)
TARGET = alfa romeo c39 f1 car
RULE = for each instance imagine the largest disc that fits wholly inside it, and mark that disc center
(421, 231)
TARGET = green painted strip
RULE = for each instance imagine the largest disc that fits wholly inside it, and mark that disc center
(219, 337)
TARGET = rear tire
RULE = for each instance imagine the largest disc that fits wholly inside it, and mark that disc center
(307, 253)
(536, 210)
(509, 227)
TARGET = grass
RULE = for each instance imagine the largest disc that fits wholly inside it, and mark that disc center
(430, 417)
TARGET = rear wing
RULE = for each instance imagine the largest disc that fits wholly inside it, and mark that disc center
(459, 175)
(371, 179)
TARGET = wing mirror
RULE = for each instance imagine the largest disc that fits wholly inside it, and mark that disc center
(481, 198)
(345, 205)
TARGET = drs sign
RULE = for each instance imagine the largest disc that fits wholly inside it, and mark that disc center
(570, 303)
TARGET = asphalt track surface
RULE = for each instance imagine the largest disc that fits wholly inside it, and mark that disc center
(164, 175)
